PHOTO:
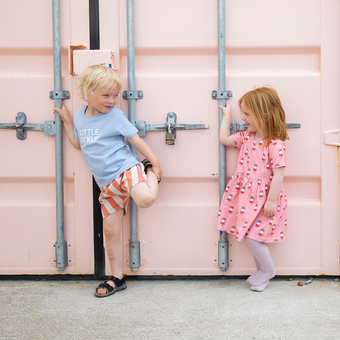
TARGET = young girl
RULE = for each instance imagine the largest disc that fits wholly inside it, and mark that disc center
(101, 130)
(254, 204)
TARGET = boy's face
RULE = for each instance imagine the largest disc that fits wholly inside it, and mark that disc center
(102, 100)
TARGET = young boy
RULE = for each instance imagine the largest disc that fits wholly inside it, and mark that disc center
(101, 131)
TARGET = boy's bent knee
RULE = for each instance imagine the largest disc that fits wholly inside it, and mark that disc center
(143, 196)
(146, 201)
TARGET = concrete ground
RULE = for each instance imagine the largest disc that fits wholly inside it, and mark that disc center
(170, 309)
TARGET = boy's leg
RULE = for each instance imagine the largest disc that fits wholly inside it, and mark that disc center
(144, 194)
(112, 226)
(266, 269)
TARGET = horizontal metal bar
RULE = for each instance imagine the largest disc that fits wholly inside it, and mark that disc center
(293, 126)
(164, 127)
(190, 126)
(26, 126)
(235, 127)
(48, 127)
(144, 127)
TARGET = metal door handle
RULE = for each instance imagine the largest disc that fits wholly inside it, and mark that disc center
(236, 127)
(22, 127)
(170, 126)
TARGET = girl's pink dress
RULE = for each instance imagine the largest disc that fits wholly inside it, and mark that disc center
(241, 210)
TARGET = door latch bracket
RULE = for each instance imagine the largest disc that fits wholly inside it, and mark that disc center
(22, 127)
(132, 94)
(59, 95)
(221, 94)
(170, 127)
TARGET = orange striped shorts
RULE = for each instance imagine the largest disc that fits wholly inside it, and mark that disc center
(115, 196)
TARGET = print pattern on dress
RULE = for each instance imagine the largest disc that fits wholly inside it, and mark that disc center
(241, 211)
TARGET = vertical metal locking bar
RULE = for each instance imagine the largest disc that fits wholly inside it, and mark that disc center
(134, 245)
(223, 243)
(61, 244)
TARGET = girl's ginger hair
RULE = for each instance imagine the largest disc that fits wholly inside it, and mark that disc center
(265, 108)
(95, 77)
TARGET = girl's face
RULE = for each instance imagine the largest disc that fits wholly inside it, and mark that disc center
(101, 100)
(248, 119)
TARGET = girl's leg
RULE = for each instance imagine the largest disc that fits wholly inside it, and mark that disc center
(257, 263)
(261, 287)
(266, 269)
(112, 226)
(144, 194)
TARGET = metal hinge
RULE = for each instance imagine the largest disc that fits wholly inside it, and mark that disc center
(22, 127)
(65, 250)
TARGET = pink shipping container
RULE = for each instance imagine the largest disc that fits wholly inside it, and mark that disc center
(292, 45)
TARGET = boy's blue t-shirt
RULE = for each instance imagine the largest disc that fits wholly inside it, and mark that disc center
(103, 143)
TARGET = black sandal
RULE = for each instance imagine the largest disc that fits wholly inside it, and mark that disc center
(120, 284)
(147, 165)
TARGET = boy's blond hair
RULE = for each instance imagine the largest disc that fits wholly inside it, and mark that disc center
(95, 77)
(264, 106)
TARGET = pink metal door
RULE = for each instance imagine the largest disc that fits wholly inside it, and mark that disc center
(28, 187)
(266, 43)
(293, 46)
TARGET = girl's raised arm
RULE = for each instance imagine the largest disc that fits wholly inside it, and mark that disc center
(225, 137)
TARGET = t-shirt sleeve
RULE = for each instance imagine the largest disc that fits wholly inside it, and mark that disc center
(277, 154)
(125, 127)
(239, 139)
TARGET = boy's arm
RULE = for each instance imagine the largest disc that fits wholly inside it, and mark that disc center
(68, 125)
(145, 150)
(274, 191)
(225, 137)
